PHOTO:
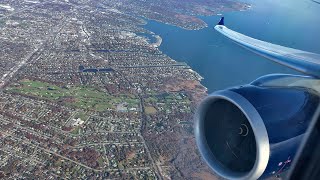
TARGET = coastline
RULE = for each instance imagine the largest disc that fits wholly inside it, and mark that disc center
(159, 40)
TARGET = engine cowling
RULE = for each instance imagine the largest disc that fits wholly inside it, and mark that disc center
(251, 132)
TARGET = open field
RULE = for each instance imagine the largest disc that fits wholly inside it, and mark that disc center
(150, 110)
(81, 97)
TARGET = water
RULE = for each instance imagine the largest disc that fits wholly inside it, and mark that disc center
(223, 64)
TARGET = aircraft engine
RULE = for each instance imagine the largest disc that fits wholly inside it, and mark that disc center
(251, 132)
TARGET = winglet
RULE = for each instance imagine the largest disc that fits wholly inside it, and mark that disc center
(221, 22)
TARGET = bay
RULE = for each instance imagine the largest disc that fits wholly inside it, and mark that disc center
(224, 64)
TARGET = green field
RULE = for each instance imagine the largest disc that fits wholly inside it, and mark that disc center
(81, 97)
(82, 115)
(167, 98)
(150, 110)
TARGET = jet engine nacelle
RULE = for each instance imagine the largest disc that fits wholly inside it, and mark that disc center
(252, 131)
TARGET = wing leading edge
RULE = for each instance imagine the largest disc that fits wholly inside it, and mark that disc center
(305, 62)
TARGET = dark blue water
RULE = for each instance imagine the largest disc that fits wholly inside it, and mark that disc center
(223, 64)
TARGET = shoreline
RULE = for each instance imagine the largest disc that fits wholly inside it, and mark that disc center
(158, 44)
(199, 78)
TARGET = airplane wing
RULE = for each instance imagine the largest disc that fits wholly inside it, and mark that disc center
(305, 62)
